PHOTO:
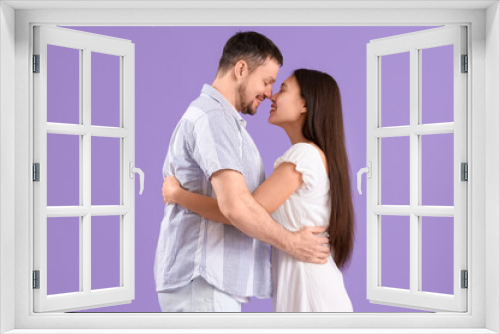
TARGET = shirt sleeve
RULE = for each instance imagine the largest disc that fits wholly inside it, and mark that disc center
(301, 155)
(216, 143)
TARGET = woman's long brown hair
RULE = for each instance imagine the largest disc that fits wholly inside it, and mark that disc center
(324, 126)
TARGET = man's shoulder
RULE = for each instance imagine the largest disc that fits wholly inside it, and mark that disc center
(205, 108)
(205, 102)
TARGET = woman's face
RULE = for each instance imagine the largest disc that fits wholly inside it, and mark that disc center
(287, 105)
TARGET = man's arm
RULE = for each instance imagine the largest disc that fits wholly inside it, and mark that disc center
(245, 213)
(271, 194)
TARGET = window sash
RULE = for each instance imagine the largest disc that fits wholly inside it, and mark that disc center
(86, 43)
(413, 43)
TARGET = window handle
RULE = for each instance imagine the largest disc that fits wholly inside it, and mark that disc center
(367, 170)
(133, 170)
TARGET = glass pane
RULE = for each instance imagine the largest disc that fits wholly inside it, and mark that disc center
(105, 252)
(437, 169)
(63, 85)
(63, 170)
(105, 171)
(437, 254)
(395, 171)
(437, 84)
(63, 255)
(395, 89)
(105, 90)
(395, 244)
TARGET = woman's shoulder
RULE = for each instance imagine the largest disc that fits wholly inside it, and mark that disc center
(309, 150)
(298, 151)
(302, 147)
(308, 159)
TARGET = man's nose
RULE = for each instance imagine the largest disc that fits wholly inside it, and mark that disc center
(269, 92)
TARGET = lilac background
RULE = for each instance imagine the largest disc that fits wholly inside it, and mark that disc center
(172, 64)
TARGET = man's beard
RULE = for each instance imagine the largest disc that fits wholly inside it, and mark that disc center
(245, 108)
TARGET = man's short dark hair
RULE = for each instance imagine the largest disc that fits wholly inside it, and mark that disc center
(250, 46)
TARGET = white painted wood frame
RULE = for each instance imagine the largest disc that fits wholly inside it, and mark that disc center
(85, 43)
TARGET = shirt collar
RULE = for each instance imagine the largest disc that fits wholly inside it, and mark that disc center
(217, 96)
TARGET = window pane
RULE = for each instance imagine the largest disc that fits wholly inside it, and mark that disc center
(105, 171)
(395, 244)
(63, 85)
(105, 90)
(105, 252)
(437, 84)
(437, 254)
(395, 89)
(395, 170)
(437, 169)
(63, 170)
(63, 255)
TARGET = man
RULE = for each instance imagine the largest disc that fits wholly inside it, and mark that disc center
(205, 266)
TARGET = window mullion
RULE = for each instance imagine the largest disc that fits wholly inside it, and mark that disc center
(418, 126)
(81, 195)
(85, 162)
(414, 170)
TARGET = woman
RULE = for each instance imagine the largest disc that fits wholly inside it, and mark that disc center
(308, 108)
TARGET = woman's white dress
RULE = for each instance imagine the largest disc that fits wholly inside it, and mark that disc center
(300, 286)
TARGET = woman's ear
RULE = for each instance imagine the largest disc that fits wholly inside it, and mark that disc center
(304, 108)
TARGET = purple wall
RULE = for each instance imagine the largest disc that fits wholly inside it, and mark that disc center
(172, 64)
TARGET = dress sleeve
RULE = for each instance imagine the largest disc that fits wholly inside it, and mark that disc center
(301, 155)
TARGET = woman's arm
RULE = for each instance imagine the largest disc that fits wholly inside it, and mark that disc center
(278, 187)
(271, 194)
(203, 205)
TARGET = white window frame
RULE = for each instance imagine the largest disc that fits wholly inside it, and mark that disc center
(483, 21)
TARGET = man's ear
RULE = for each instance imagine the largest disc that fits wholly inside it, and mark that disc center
(240, 70)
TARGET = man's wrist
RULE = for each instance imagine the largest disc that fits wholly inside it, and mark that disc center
(285, 239)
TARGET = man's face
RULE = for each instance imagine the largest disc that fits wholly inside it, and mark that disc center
(257, 86)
